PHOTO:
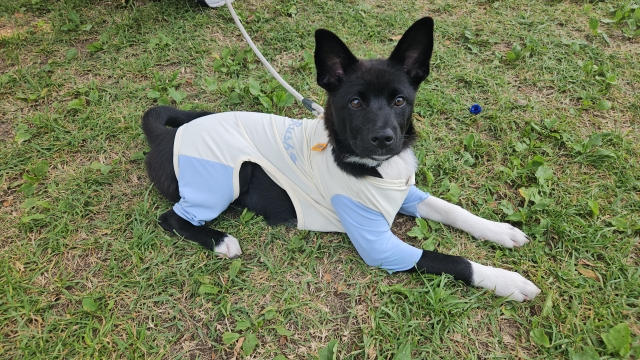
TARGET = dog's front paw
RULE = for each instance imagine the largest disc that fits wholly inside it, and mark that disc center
(501, 233)
(228, 247)
(503, 282)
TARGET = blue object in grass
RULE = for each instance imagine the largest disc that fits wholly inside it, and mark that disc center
(475, 109)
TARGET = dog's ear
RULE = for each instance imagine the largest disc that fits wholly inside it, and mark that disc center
(333, 59)
(414, 49)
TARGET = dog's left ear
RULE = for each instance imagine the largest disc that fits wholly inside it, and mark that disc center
(333, 59)
(414, 49)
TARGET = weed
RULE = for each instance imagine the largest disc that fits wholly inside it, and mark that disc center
(627, 18)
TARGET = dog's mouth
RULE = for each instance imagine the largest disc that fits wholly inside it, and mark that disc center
(351, 151)
(362, 161)
(372, 161)
(370, 157)
(381, 157)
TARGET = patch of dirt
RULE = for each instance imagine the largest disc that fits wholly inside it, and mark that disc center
(502, 48)
(5, 128)
(402, 225)
(193, 349)
(20, 23)
(9, 30)
(509, 330)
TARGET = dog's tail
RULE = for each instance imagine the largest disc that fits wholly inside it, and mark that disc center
(156, 120)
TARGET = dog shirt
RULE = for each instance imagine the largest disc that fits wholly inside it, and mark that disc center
(209, 151)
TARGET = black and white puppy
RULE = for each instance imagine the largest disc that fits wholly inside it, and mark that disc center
(357, 185)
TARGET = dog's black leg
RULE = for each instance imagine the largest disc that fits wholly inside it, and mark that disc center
(263, 196)
(211, 239)
(432, 262)
(503, 282)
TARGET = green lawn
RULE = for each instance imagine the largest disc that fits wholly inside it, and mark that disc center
(88, 273)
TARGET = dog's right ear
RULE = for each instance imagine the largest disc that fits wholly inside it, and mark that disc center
(333, 58)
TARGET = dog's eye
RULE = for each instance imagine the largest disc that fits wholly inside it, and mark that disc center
(355, 103)
(399, 101)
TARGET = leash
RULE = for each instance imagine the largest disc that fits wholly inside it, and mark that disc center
(316, 109)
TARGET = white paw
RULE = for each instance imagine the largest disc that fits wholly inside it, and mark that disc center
(229, 247)
(500, 233)
(504, 282)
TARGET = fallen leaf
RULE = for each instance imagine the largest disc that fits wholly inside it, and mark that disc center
(396, 38)
(588, 273)
(584, 262)
(522, 193)
(521, 102)
(341, 287)
(327, 277)
(283, 340)
(238, 346)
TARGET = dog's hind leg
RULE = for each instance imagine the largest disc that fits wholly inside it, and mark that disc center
(159, 160)
(211, 239)
(260, 194)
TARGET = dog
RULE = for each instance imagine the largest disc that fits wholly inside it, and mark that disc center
(351, 171)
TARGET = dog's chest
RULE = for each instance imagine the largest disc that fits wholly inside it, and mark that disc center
(399, 167)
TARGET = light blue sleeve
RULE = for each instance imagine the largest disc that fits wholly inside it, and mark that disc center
(206, 189)
(372, 237)
(410, 204)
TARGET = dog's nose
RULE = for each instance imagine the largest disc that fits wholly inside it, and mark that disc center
(382, 139)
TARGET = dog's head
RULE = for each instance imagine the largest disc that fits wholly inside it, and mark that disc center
(370, 102)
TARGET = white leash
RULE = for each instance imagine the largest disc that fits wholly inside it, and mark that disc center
(316, 109)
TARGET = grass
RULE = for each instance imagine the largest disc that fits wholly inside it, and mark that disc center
(88, 273)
